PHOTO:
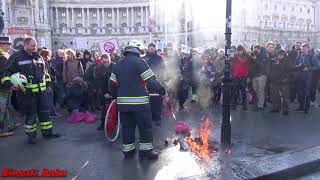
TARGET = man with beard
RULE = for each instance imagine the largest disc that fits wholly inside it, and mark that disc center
(99, 77)
(158, 66)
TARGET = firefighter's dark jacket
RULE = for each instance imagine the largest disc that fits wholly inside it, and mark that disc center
(32, 66)
(128, 83)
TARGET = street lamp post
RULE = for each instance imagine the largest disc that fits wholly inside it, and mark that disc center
(227, 82)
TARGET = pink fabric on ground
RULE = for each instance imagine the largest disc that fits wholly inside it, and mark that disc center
(183, 127)
(85, 117)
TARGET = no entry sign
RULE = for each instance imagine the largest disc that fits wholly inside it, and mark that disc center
(109, 46)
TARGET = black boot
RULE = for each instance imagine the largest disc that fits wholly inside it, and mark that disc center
(130, 154)
(181, 107)
(31, 140)
(151, 155)
(51, 136)
(100, 127)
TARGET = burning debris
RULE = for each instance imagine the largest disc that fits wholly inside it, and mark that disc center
(201, 146)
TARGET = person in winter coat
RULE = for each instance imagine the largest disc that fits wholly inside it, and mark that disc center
(158, 66)
(292, 55)
(258, 64)
(86, 59)
(316, 77)
(77, 95)
(207, 78)
(72, 67)
(46, 56)
(195, 81)
(114, 57)
(185, 67)
(219, 65)
(279, 78)
(58, 91)
(240, 73)
(94, 101)
(172, 77)
(98, 77)
(305, 69)
(5, 92)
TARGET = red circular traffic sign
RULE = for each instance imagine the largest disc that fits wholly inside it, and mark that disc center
(109, 47)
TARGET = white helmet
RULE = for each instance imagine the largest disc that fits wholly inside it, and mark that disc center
(18, 80)
(135, 46)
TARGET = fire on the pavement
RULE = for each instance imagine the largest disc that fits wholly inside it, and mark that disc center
(201, 146)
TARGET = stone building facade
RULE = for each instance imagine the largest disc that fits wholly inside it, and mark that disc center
(58, 23)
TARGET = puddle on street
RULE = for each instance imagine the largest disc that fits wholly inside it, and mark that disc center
(186, 166)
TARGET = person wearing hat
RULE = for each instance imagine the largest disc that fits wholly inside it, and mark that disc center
(279, 78)
(4, 91)
(127, 85)
(158, 66)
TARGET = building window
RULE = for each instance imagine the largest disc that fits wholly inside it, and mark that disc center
(124, 14)
(266, 6)
(64, 30)
(63, 14)
(94, 15)
(139, 14)
(109, 15)
(22, 2)
(275, 7)
(284, 8)
(79, 28)
(308, 11)
(292, 9)
(301, 10)
(79, 15)
(94, 28)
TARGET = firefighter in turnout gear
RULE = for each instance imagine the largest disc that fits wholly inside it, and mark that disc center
(128, 85)
(34, 100)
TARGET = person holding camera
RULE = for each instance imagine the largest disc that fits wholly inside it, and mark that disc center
(304, 67)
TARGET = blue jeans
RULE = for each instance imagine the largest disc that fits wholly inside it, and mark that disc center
(52, 109)
(304, 85)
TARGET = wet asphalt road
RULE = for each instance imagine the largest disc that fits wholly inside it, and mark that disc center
(85, 153)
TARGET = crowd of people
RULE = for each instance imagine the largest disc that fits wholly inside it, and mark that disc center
(79, 80)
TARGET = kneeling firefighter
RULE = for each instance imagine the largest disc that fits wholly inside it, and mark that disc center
(32, 67)
(128, 85)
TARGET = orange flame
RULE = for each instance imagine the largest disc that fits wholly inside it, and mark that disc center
(202, 149)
